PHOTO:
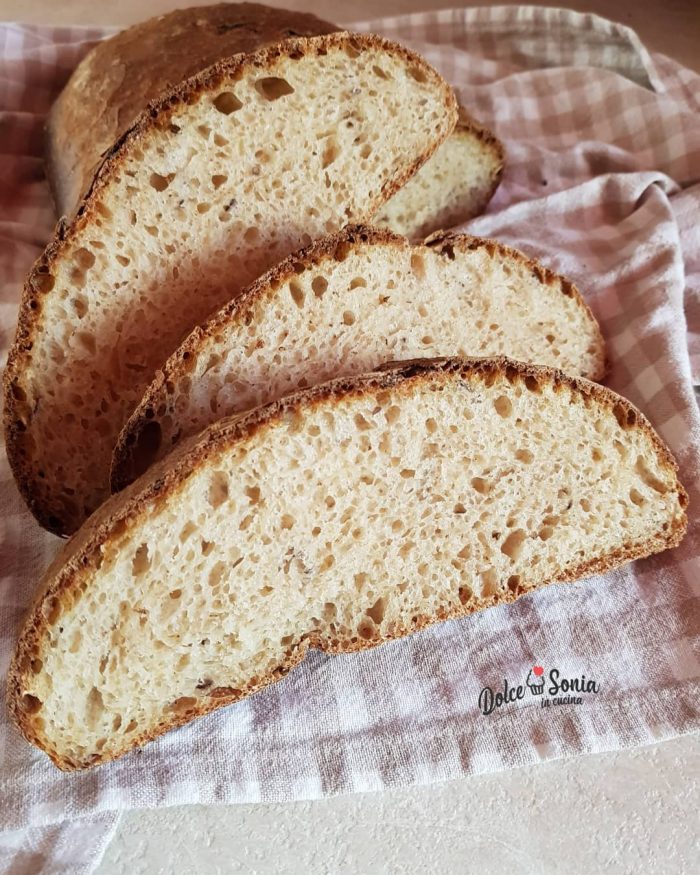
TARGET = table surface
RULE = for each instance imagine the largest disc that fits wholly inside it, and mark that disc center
(627, 811)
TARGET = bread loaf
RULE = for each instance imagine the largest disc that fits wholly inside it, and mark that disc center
(453, 187)
(215, 182)
(117, 80)
(343, 306)
(344, 516)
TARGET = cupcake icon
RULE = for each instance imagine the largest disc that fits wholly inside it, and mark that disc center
(535, 680)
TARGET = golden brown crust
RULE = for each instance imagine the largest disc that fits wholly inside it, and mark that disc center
(17, 414)
(469, 125)
(121, 75)
(126, 467)
(62, 582)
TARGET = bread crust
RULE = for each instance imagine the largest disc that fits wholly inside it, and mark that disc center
(17, 413)
(61, 584)
(121, 75)
(124, 466)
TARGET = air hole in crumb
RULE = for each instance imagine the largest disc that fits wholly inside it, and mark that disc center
(513, 544)
(465, 594)
(297, 293)
(160, 183)
(141, 561)
(253, 493)
(330, 153)
(366, 629)
(287, 521)
(625, 416)
(648, 477)
(459, 508)
(636, 497)
(489, 582)
(218, 489)
(227, 102)
(273, 87)
(418, 266)
(182, 705)
(319, 284)
(348, 317)
(95, 707)
(418, 74)
(31, 704)
(84, 258)
(377, 611)
(480, 485)
(524, 456)
(532, 384)
(216, 574)
(503, 406)
(545, 533)
(513, 582)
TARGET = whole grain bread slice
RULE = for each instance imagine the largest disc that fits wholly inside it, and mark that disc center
(345, 305)
(339, 518)
(215, 182)
(453, 187)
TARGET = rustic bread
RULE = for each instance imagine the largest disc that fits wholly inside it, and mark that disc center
(343, 306)
(344, 516)
(117, 80)
(214, 183)
(453, 187)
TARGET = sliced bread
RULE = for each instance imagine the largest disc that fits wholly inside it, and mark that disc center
(344, 516)
(453, 187)
(117, 80)
(343, 306)
(214, 183)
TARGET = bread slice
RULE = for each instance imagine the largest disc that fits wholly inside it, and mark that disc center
(117, 80)
(341, 517)
(214, 183)
(343, 306)
(453, 187)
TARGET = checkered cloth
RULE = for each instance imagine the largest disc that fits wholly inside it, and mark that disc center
(603, 144)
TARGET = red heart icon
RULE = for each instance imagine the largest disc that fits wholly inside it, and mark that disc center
(538, 670)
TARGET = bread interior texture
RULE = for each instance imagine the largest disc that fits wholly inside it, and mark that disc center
(224, 185)
(339, 520)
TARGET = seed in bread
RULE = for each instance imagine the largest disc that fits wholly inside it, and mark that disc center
(453, 187)
(214, 183)
(344, 516)
(345, 305)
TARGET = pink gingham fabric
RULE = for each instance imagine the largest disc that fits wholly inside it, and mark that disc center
(603, 184)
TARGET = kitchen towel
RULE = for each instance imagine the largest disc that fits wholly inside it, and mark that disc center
(602, 183)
